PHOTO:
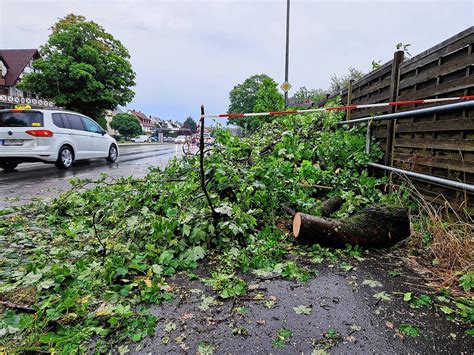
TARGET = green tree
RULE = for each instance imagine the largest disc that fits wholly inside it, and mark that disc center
(268, 98)
(189, 122)
(339, 83)
(243, 97)
(257, 93)
(82, 68)
(313, 94)
(126, 124)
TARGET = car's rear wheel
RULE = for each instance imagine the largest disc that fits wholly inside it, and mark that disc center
(9, 165)
(65, 158)
(113, 154)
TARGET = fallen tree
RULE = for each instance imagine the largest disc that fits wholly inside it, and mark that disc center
(376, 226)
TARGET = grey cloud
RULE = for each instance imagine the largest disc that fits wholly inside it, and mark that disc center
(187, 53)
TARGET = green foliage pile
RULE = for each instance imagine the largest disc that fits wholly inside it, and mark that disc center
(89, 261)
(82, 68)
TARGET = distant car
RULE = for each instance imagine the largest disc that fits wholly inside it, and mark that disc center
(50, 136)
(140, 139)
(180, 140)
(154, 139)
(208, 139)
(168, 139)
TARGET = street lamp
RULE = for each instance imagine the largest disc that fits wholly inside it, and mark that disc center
(287, 48)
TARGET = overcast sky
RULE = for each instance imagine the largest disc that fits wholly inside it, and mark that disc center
(187, 52)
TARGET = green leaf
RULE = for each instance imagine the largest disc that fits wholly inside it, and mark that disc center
(407, 296)
(196, 253)
(409, 330)
(302, 309)
(136, 337)
(467, 281)
(166, 257)
(169, 327)
(206, 302)
(157, 269)
(205, 348)
(346, 266)
(47, 284)
(186, 230)
(446, 310)
(372, 283)
(382, 296)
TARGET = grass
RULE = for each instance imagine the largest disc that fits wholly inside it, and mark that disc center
(442, 240)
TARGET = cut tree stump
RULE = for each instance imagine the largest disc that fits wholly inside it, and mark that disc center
(376, 226)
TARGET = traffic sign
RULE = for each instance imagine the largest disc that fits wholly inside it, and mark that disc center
(286, 86)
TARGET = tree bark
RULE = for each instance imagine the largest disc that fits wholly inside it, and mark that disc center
(377, 226)
(331, 205)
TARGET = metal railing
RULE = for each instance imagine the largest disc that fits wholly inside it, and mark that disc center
(408, 114)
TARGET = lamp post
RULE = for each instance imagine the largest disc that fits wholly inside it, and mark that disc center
(287, 48)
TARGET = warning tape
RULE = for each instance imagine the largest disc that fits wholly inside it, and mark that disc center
(339, 108)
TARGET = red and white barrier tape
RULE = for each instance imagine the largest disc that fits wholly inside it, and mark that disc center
(350, 107)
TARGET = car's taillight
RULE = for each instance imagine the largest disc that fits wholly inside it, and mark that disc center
(40, 133)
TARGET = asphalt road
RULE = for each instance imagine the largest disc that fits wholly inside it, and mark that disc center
(44, 181)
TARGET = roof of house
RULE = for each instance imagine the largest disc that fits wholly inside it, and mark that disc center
(139, 114)
(16, 61)
(144, 119)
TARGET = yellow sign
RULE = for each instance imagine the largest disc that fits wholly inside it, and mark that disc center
(24, 107)
(286, 86)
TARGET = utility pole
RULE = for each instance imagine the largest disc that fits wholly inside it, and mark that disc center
(287, 48)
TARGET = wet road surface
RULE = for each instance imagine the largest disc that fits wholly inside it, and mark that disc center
(344, 317)
(43, 181)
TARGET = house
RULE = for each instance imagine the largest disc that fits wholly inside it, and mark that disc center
(146, 122)
(14, 64)
(156, 121)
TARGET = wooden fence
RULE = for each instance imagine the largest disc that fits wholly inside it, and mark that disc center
(438, 144)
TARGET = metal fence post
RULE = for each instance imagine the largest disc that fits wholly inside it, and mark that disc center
(394, 84)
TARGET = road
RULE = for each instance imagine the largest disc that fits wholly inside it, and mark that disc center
(43, 181)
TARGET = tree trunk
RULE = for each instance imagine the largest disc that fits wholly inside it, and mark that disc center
(331, 205)
(376, 226)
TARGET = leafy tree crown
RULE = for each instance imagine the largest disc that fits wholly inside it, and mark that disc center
(257, 93)
(189, 122)
(82, 68)
(126, 124)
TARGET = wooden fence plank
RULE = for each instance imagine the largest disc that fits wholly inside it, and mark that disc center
(438, 71)
(466, 166)
(381, 84)
(456, 42)
(436, 126)
(455, 85)
(443, 144)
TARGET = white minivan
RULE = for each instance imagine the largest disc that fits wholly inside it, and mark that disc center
(51, 136)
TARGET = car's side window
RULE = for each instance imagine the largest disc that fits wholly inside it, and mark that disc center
(65, 121)
(75, 122)
(91, 126)
(58, 120)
